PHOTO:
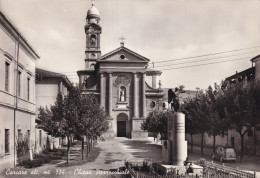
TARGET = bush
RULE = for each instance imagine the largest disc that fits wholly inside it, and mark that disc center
(45, 156)
(22, 150)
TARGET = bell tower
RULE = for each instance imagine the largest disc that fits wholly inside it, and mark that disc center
(93, 31)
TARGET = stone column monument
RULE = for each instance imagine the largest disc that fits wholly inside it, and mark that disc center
(179, 145)
(176, 145)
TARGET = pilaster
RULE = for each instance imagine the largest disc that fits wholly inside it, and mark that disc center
(110, 93)
(143, 96)
(135, 103)
(102, 93)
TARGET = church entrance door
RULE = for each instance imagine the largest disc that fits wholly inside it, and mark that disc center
(121, 128)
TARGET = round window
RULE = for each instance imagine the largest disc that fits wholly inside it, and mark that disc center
(122, 56)
(152, 104)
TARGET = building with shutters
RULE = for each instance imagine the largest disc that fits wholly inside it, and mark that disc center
(17, 92)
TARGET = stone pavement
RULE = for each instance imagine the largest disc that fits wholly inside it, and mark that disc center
(109, 156)
(114, 153)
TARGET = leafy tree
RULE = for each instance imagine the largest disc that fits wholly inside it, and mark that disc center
(51, 119)
(218, 122)
(74, 115)
(188, 108)
(91, 119)
(156, 122)
(85, 117)
(242, 104)
(201, 113)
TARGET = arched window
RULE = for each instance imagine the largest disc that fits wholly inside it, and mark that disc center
(164, 105)
(93, 40)
(122, 93)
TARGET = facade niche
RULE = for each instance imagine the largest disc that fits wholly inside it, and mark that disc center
(122, 94)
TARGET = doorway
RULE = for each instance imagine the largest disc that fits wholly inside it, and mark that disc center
(121, 128)
(232, 142)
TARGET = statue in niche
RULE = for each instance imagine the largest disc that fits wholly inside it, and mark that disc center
(122, 94)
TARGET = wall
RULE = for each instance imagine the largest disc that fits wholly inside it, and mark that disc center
(7, 122)
(257, 69)
(21, 114)
(226, 141)
(46, 93)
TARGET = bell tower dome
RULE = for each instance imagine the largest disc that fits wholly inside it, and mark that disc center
(93, 31)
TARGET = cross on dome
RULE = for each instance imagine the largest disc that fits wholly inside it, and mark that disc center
(93, 2)
(122, 40)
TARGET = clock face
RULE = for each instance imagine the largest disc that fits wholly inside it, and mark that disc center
(92, 55)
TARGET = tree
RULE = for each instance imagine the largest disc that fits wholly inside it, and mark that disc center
(52, 119)
(156, 122)
(201, 113)
(85, 117)
(188, 108)
(74, 115)
(219, 123)
(91, 119)
(242, 104)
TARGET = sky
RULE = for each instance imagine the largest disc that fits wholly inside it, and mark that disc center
(168, 30)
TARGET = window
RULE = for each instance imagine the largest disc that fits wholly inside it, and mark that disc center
(164, 106)
(122, 56)
(93, 40)
(28, 88)
(7, 68)
(20, 135)
(19, 83)
(7, 144)
(40, 137)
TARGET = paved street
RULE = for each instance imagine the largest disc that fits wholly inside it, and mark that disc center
(106, 156)
(110, 155)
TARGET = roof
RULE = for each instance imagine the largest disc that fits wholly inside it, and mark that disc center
(93, 12)
(127, 50)
(244, 72)
(153, 71)
(254, 58)
(22, 38)
(48, 74)
(85, 71)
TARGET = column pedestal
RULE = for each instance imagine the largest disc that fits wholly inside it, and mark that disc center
(137, 132)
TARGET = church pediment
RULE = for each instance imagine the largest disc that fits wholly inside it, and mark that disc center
(123, 55)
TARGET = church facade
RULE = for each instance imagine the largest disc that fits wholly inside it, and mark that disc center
(121, 80)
